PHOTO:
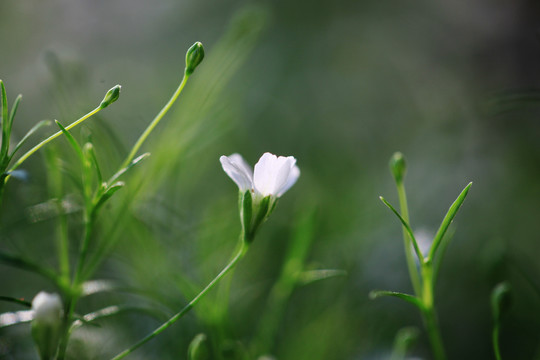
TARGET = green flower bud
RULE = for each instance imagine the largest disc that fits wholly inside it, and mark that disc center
(500, 300)
(47, 323)
(198, 348)
(111, 96)
(194, 57)
(398, 166)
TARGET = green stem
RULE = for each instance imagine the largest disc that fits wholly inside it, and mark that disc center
(192, 303)
(411, 265)
(154, 122)
(430, 317)
(495, 337)
(73, 297)
(88, 223)
(50, 138)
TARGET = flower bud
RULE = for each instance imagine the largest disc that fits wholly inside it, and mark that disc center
(501, 300)
(398, 166)
(47, 323)
(198, 348)
(194, 57)
(111, 96)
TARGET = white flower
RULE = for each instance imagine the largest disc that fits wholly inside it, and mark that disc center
(273, 175)
(47, 308)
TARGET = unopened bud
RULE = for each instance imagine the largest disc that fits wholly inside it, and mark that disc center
(194, 57)
(47, 323)
(398, 166)
(111, 96)
(500, 300)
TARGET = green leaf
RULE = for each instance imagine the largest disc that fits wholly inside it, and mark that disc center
(16, 301)
(28, 134)
(107, 195)
(407, 228)
(131, 164)
(74, 144)
(5, 121)
(448, 220)
(375, 294)
(14, 111)
(91, 157)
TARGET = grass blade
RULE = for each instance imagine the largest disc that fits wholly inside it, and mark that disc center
(448, 220)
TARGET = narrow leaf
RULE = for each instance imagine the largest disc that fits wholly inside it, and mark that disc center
(131, 164)
(14, 110)
(375, 294)
(91, 156)
(5, 121)
(448, 220)
(407, 228)
(74, 144)
(16, 301)
(107, 195)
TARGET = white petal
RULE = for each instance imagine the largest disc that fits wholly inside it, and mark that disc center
(239, 161)
(238, 170)
(272, 173)
(294, 174)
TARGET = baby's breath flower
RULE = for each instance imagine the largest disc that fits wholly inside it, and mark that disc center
(260, 189)
(273, 175)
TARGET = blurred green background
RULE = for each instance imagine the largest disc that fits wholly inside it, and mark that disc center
(340, 85)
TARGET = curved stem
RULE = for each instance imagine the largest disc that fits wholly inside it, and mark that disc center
(154, 123)
(192, 303)
(50, 138)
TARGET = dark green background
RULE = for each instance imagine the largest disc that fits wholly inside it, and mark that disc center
(340, 85)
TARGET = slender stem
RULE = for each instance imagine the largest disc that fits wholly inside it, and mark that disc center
(88, 224)
(495, 337)
(154, 122)
(50, 138)
(413, 272)
(73, 297)
(430, 317)
(192, 303)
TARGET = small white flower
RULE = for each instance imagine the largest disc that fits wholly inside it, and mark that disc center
(47, 308)
(273, 175)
